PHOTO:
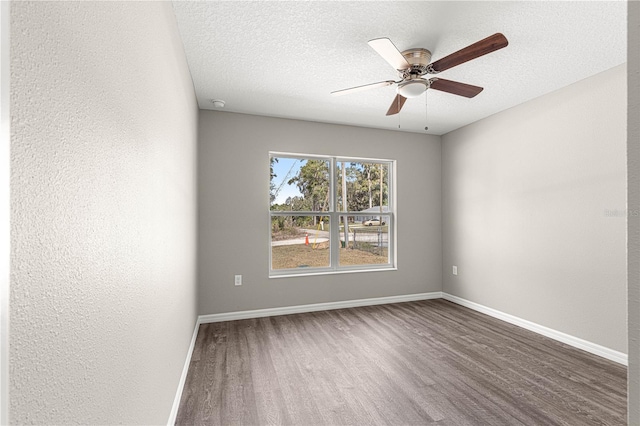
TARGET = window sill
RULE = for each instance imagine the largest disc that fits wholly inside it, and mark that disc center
(344, 271)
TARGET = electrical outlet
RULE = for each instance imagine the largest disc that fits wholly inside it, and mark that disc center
(455, 270)
(238, 280)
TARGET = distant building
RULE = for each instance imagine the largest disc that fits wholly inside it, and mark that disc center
(371, 213)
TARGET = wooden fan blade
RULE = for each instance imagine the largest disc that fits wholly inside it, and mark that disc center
(389, 53)
(361, 88)
(461, 89)
(396, 105)
(480, 48)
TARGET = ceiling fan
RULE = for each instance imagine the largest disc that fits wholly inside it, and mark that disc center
(412, 64)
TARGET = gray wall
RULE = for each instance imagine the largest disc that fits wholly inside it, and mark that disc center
(633, 188)
(534, 210)
(233, 205)
(102, 212)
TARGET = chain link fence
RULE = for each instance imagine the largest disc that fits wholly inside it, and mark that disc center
(370, 240)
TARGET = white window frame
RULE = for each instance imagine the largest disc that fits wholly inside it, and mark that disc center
(334, 217)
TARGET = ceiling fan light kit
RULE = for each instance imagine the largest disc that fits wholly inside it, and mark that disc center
(412, 88)
(412, 64)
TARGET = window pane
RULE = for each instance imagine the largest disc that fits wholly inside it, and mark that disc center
(367, 240)
(362, 186)
(299, 184)
(307, 190)
(300, 242)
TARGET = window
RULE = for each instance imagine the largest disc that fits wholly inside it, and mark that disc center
(330, 214)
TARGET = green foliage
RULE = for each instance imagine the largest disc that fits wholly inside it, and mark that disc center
(363, 185)
(312, 181)
(272, 186)
(366, 185)
(290, 224)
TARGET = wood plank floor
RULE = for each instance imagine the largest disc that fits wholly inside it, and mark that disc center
(417, 363)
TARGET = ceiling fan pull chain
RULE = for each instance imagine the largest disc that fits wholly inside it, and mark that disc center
(426, 115)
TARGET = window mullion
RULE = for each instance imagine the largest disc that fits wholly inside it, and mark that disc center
(335, 220)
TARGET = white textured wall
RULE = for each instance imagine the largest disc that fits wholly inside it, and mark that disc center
(525, 199)
(633, 193)
(5, 232)
(104, 124)
(233, 211)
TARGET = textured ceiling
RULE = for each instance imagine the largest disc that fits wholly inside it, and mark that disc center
(284, 58)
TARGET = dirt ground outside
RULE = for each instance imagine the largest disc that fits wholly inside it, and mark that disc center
(301, 256)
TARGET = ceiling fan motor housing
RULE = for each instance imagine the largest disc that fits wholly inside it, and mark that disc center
(418, 58)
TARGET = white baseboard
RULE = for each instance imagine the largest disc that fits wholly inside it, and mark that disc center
(183, 377)
(286, 310)
(610, 354)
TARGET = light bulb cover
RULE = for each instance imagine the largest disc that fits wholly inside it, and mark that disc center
(413, 88)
